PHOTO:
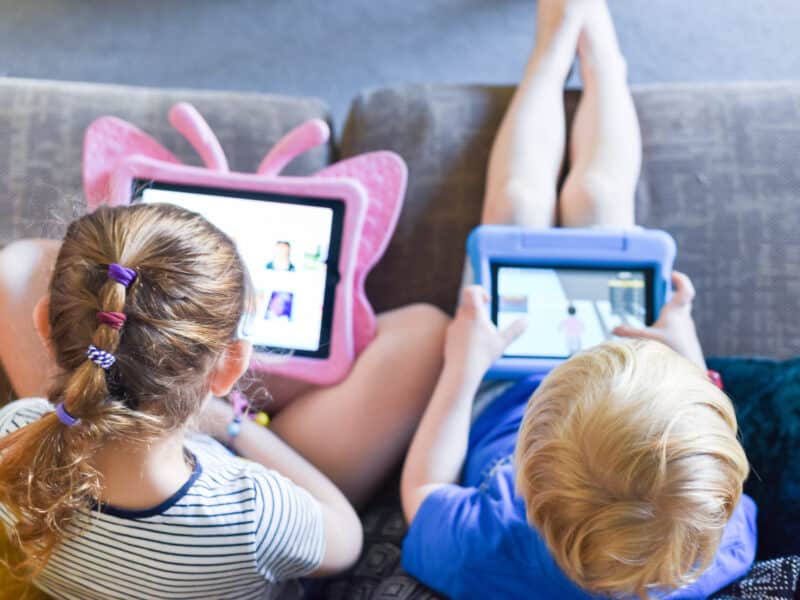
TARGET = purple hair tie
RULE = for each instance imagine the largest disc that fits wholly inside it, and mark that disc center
(121, 274)
(100, 357)
(66, 418)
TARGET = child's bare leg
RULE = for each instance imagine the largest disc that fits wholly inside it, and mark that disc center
(528, 150)
(25, 270)
(606, 148)
(357, 431)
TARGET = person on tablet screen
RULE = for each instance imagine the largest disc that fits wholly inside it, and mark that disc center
(573, 330)
(282, 260)
(280, 306)
(619, 474)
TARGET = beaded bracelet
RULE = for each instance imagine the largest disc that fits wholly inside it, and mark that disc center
(240, 404)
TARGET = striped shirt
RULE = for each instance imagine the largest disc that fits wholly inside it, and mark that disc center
(234, 530)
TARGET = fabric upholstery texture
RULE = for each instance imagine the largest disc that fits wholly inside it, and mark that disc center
(42, 125)
(720, 173)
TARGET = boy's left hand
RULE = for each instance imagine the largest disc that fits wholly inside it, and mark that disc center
(473, 341)
(675, 326)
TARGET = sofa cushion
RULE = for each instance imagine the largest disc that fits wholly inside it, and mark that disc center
(42, 125)
(720, 173)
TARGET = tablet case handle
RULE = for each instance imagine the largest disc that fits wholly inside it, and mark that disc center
(302, 138)
(191, 125)
(109, 140)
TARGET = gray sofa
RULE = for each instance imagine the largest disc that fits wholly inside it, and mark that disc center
(721, 172)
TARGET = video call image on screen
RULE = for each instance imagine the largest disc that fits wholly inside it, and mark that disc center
(285, 247)
(567, 309)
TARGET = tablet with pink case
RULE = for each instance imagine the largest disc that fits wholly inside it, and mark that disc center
(309, 242)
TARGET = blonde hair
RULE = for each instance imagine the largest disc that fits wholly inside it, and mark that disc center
(629, 465)
(183, 310)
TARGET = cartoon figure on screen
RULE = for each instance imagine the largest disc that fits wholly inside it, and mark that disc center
(572, 327)
(283, 257)
(280, 306)
(118, 157)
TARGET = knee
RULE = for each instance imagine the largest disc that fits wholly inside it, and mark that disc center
(417, 324)
(14, 261)
(24, 254)
(595, 198)
(532, 204)
(19, 262)
(426, 319)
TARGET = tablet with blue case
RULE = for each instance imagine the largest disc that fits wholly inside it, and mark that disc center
(573, 285)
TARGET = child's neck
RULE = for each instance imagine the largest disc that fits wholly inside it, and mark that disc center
(141, 476)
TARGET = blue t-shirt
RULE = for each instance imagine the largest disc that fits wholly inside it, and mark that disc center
(473, 540)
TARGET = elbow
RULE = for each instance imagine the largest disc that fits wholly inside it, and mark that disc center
(408, 489)
(354, 539)
(344, 538)
(413, 494)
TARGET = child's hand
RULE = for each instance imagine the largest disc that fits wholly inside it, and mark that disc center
(473, 342)
(214, 418)
(675, 326)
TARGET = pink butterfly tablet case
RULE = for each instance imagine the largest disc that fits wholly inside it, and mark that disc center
(371, 187)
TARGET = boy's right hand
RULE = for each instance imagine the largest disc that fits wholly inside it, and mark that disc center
(473, 341)
(675, 326)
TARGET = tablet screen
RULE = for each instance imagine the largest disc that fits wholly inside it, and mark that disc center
(290, 245)
(568, 308)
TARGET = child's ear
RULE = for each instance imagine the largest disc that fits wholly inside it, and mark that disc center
(41, 322)
(231, 367)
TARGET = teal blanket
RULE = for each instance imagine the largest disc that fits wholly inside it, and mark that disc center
(766, 394)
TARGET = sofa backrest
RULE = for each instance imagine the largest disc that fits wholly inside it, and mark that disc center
(42, 125)
(721, 173)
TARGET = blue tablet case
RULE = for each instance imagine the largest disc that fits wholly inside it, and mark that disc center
(582, 248)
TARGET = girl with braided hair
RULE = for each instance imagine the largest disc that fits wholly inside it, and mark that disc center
(106, 489)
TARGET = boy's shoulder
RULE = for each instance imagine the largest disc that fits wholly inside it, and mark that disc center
(475, 542)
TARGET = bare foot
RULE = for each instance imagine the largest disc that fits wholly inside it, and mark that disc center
(558, 23)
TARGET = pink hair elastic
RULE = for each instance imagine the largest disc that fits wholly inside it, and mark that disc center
(112, 319)
(66, 418)
(121, 274)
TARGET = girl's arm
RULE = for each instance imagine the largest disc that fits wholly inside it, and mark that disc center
(343, 533)
(440, 444)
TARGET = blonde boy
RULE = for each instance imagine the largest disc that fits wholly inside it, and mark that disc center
(621, 475)
(626, 478)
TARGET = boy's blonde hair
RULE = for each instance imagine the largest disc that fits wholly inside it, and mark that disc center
(630, 467)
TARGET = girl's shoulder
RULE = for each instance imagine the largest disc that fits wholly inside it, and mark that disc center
(224, 471)
(22, 412)
(279, 514)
